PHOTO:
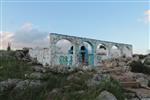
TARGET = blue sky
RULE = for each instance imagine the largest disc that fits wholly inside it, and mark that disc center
(125, 22)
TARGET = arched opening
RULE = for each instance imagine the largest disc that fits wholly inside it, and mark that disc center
(63, 46)
(86, 54)
(115, 52)
(64, 52)
(101, 50)
(71, 50)
(101, 53)
(127, 52)
(114, 47)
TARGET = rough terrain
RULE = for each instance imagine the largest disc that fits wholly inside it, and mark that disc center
(23, 78)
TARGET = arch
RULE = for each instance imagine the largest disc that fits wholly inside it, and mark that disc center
(71, 50)
(101, 49)
(89, 46)
(83, 55)
(101, 46)
(64, 52)
(63, 46)
(115, 47)
(126, 51)
(115, 51)
(86, 54)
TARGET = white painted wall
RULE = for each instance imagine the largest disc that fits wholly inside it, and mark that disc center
(41, 54)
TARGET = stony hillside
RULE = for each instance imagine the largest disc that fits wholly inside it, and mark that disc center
(22, 78)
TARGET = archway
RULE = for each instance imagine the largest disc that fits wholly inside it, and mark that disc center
(101, 50)
(126, 51)
(64, 52)
(101, 53)
(115, 51)
(86, 54)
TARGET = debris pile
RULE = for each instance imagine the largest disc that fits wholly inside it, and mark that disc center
(133, 82)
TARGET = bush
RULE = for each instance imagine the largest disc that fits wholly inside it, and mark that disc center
(149, 83)
(113, 87)
(147, 61)
(137, 66)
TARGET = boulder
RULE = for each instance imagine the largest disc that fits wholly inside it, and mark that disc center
(141, 78)
(53, 93)
(8, 84)
(28, 83)
(143, 81)
(96, 79)
(22, 85)
(38, 76)
(39, 68)
(147, 61)
(105, 95)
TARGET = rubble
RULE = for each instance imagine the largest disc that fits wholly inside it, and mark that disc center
(27, 83)
(105, 95)
(8, 84)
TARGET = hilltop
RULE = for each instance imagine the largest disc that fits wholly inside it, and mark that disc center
(23, 78)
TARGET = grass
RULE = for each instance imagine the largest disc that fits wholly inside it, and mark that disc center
(10, 67)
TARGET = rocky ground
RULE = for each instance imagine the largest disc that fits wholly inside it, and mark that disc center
(22, 78)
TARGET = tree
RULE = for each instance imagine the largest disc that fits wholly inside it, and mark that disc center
(9, 47)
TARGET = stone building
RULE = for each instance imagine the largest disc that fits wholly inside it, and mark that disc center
(76, 51)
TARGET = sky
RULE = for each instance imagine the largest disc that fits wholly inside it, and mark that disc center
(28, 23)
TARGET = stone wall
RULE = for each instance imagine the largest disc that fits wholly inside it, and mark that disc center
(74, 51)
(41, 54)
(99, 51)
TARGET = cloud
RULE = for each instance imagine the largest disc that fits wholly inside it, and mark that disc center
(5, 38)
(26, 36)
(147, 16)
(29, 34)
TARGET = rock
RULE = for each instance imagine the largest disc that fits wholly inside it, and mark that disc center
(23, 55)
(135, 58)
(22, 85)
(141, 78)
(35, 84)
(96, 80)
(60, 69)
(141, 93)
(54, 93)
(38, 75)
(147, 61)
(81, 92)
(28, 83)
(8, 84)
(142, 81)
(122, 63)
(105, 95)
(133, 99)
(39, 68)
(73, 77)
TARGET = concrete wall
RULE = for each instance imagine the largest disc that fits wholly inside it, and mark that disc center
(93, 58)
(80, 51)
(41, 54)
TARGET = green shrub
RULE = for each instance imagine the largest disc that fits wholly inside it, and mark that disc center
(113, 87)
(149, 83)
(147, 61)
(12, 68)
(137, 66)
